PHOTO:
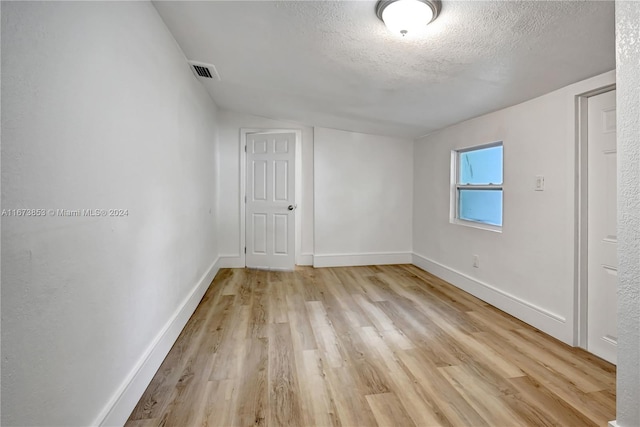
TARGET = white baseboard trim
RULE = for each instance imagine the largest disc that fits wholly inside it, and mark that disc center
(237, 261)
(305, 259)
(231, 261)
(348, 260)
(543, 319)
(613, 423)
(119, 407)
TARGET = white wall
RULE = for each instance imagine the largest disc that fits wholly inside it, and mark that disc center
(230, 221)
(99, 110)
(628, 74)
(363, 198)
(528, 269)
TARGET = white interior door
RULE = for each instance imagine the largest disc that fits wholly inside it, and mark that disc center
(602, 330)
(270, 209)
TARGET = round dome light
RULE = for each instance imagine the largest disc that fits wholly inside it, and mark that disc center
(407, 17)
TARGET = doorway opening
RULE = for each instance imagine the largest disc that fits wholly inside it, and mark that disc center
(597, 235)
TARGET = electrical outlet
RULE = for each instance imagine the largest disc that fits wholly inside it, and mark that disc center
(476, 261)
(539, 183)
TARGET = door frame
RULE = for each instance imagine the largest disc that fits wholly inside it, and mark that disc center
(582, 209)
(243, 188)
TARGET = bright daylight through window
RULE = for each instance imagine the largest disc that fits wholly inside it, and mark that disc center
(478, 185)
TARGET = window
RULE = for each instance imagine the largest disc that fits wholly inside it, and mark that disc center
(478, 186)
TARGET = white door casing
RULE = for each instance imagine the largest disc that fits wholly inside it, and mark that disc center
(602, 264)
(270, 200)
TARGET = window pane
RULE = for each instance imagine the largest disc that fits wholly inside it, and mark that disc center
(483, 206)
(482, 166)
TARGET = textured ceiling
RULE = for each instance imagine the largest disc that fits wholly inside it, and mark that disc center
(334, 64)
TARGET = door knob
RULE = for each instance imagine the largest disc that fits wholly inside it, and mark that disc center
(290, 207)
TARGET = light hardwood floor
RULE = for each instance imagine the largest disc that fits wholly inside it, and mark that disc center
(366, 346)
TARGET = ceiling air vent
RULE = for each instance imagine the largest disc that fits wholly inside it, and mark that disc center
(206, 71)
(202, 71)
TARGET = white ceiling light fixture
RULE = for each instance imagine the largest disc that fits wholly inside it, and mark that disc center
(407, 17)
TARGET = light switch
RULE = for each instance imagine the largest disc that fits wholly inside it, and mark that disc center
(539, 183)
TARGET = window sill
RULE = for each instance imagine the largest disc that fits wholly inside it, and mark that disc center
(479, 225)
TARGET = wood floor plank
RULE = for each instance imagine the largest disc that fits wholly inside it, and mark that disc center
(343, 320)
(420, 409)
(396, 339)
(439, 297)
(451, 294)
(284, 393)
(316, 389)
(259, 308)
(451, 403)
(253, 394)
(370, 375)
(217, 410)
(537, 395)
(278, 312)
(324, 333)
(424, 333)
(149, 422)
(377, 317)
(307, 280)
(549, 360)
(368, 286)
(484, 355)
(388, 411)
(352, 407)
(579, 359)
(232, 345)
(367, 346)
(376, 288)
(244, 287)
(483, 397)
(562, 387)
(301, 330)
(493, 319)
(233, 280)
(341, 300)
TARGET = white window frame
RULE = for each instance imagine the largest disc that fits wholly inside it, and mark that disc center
(456, 187)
